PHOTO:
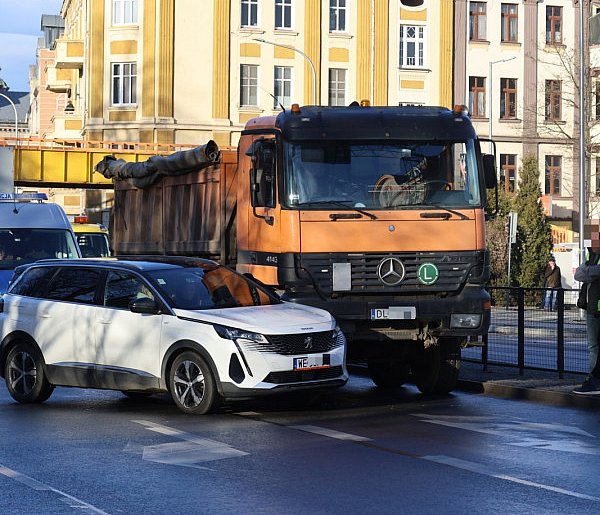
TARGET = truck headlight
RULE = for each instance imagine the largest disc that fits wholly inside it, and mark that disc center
(231, 333)
(465, 320)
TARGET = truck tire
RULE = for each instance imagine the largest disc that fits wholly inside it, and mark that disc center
(426, 369)
(449, 366)
(389, 374)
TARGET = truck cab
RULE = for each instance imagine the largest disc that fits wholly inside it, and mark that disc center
(31, 229)
(92, 238)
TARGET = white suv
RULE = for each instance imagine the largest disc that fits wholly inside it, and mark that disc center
(143, 325)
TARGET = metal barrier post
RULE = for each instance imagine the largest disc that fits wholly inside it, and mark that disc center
(521, 329)
(484, 351)
(560, 332)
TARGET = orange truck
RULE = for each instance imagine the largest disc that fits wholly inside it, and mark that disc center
(373, 213)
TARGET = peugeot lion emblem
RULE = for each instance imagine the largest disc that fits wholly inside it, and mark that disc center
(391, 271)
(308, 343)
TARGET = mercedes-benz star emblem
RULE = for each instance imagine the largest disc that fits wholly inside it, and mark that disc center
(391, 271)
(308, 343)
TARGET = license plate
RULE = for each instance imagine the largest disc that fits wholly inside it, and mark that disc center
(394, 313)
(312, 362)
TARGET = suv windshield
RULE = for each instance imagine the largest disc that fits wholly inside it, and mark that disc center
(381, 175)
(22, 246)
(209, 288)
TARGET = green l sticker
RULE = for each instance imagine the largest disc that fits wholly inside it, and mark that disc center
(428, 273)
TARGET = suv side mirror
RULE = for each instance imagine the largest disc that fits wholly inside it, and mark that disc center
(144, 305)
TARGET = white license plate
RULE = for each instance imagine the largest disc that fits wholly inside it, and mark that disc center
(312, 362)
(394, 313)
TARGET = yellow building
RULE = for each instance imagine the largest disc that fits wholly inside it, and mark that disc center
(184, 71)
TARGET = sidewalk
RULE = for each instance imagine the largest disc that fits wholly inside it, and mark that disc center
(533, 385)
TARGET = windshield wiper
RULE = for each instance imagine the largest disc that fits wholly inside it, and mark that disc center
(444, 208)
(341, 203)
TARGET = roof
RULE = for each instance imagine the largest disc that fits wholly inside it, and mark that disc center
(136, 263)
(21, 101)
(32, 215)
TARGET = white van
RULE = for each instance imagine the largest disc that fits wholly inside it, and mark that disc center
(31, 229)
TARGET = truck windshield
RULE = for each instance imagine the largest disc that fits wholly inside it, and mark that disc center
(381, 175)
(21, 246)
(93, 244)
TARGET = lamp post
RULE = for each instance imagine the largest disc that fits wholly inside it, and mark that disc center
(491, 102)
(312, 66)
(582, 121)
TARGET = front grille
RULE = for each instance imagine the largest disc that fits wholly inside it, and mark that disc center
(291, 376)
(453, 267)
(291, 344)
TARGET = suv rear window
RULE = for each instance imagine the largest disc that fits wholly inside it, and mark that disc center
(75, 285)
(33, 282)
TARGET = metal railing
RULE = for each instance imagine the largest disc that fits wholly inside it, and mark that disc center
(524, 335)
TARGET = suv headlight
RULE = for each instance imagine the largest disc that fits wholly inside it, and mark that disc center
(231, 333)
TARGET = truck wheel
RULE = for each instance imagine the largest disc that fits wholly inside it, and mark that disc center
(449, 366)
(426, 369)
(25, 375)
(389, 375)
(192, 384)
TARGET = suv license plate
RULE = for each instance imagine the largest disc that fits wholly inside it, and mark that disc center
(312, 362)
(394, 313)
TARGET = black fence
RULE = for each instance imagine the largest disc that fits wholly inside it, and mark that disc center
(525, 335)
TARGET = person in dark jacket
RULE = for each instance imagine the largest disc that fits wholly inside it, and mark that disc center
(552, 279)
(589, 274)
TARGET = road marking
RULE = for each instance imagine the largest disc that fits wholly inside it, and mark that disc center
(34, 484)
(187, 453)
(331, 433)
(520, 433)
(481, 469)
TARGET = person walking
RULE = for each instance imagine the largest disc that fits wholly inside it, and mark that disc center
(552, 280)
(589, 274)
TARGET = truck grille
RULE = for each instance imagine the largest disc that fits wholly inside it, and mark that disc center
(291, 376)
(291, 344)
(453, 267)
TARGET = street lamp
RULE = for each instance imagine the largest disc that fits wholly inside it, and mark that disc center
(312, 66)
(15, 110)
(490, 88)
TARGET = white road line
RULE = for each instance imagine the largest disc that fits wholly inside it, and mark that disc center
(331, 433)
(34, 484)
(481, 469)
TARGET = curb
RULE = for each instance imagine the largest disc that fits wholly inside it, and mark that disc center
(553, 397)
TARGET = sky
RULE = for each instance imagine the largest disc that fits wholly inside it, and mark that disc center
(20, 22)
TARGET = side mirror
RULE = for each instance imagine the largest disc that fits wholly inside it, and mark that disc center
(489, 171)
(262, 176)
(144, 305)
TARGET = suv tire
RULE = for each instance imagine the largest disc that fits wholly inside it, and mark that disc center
(25, 374)
(192, 384)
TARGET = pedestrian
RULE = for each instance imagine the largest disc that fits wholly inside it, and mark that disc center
(552, 280)
(589, 274)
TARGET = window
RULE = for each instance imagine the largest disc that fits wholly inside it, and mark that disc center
(508, 98)
(597, 100)
(249, 13)
(509, 20)
(249, 85)
(477, 97)
(75, 285)
(553, 97)
(412, 46)
(552, 175)
(124, 83)
(337, 15)
(283, 86)
(337, 87)
(477, 17)
(508, 171)
(283, 14)
(553, 25)
(123, 287)
(125, 12)
(34, 282)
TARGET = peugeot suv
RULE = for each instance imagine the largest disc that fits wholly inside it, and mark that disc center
(186, 326)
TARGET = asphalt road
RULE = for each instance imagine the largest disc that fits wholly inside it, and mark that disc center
(357, 450)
